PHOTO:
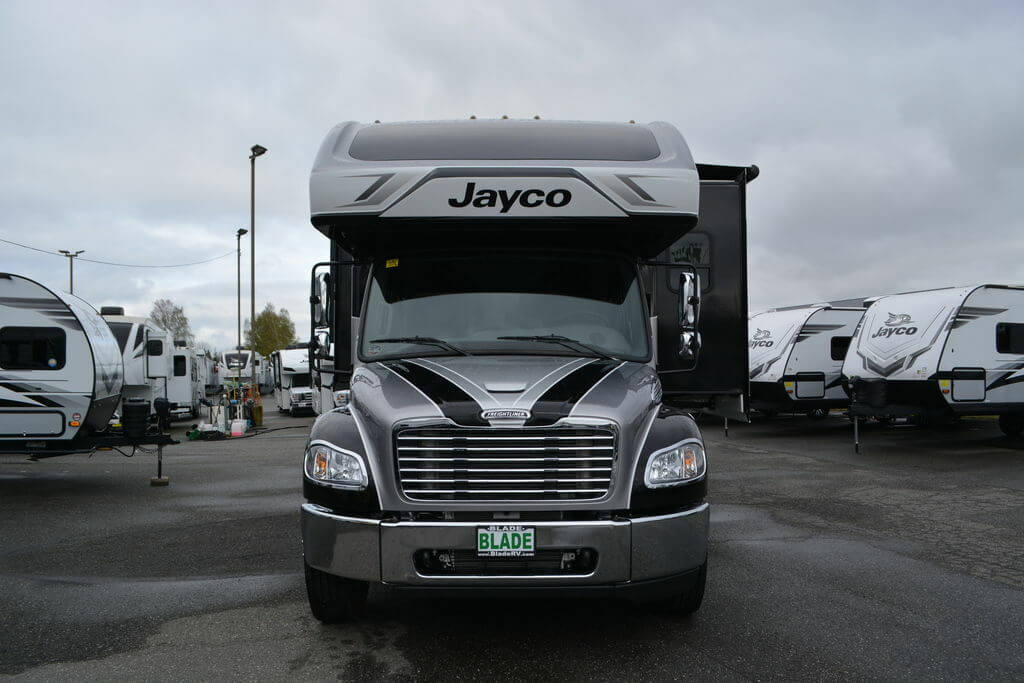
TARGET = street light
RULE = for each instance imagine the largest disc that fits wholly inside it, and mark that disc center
(257, 150)
(238, 247)
(71, 267)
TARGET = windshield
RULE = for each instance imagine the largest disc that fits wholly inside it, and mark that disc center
(470, 301)
(300, 379)
(236, 361)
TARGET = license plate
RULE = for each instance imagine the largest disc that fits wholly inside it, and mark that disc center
(505, 540)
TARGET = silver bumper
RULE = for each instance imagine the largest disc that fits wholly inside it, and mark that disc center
(640, 549)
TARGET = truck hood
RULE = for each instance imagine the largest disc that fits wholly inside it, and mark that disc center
(507, 390)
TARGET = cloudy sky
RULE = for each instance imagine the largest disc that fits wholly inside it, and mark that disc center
(890, 136)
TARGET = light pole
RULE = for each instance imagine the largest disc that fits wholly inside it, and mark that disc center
(257, 150)
(71, 267)
(238, 247)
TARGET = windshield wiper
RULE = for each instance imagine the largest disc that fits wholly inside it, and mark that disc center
(430, 341)
(567, 342)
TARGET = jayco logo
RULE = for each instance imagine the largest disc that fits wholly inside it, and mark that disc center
(762, 338)
(897, 324)
(529, 199)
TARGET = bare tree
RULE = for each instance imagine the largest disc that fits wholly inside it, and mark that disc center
(172, 318)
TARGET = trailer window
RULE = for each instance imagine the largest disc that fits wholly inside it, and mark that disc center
(840, 345)
(32, 348)
(1010, 338)
(179, 366)
(121, 332)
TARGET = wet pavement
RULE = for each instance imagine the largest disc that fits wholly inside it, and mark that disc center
(905, 561)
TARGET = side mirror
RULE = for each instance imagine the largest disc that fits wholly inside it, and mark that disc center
(689, 300)
(320, 298)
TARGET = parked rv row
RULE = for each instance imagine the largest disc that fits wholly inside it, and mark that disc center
(929, 356)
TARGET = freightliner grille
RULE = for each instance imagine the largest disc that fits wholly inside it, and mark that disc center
(505, 464)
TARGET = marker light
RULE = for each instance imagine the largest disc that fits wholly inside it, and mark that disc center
(335, 467)
(677, 464)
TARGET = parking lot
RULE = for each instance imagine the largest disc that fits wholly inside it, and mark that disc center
(903, 562)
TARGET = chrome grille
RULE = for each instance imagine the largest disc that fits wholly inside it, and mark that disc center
(505, 464)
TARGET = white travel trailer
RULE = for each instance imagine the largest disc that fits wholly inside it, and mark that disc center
(940, 353)
(185, 386)
(290, 371)
(237, 366)
(146, 350)
(60, 370)
(796, 358)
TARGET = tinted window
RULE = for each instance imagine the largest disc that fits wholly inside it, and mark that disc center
(505, 140)
(32, 348)
(139, 337)
(154, 347)
(300, 379)
(121, 332)
(840, 345)
(1010, 338)
(179, 366)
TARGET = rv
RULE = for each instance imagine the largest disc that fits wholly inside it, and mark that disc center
(941, 353)
(238, 367)
(185, 387)
(146, 351)
(61, 370)
(796, 358)
(512, 315)
(290, 372)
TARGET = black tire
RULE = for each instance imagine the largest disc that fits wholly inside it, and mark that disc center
(1012, 424)
(818, 413)
(688, 601)
(332, 598)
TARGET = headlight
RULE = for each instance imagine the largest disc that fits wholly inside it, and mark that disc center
(335, 467)
(674, 465)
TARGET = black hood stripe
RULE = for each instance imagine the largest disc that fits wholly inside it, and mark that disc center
(452, 401)
(558, 401)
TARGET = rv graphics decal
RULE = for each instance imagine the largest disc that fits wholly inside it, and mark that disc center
(897, 324)
(762, 338)
(529, 199)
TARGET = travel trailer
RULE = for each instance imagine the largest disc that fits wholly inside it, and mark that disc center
(185, 387)
(146, 350)
(941, 353)
(796, 358)
(237, 366)
(60, 367)
(290, 372)
(509, 310)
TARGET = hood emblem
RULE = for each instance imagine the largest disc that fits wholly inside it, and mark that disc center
(505, 414)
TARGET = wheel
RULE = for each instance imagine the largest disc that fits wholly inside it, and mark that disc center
(332, 598)
(689, 600)
(818, 413)
(1012, 424)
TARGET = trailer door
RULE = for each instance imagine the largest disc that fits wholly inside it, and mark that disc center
(716, 249)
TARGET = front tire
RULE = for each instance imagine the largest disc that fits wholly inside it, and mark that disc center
(687, 602)
(333, 599)
(1012, 424)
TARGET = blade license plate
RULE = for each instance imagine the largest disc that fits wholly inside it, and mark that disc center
(505, 540)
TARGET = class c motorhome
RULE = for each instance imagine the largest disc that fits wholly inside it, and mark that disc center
(290, 379)
(512, 314)
(940, 353)
(796, 358)
(60, 370)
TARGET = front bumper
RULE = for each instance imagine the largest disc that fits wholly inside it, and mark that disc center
(630, 551)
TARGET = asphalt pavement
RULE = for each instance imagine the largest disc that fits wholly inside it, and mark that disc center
(905, 561)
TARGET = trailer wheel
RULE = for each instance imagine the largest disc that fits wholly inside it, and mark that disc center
(1012, 424)
(332, 598)
(689, 600)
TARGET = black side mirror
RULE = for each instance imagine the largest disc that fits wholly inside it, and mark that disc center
(689, 318)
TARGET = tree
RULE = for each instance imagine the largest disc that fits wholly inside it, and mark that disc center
(271, 331)
(172, 318)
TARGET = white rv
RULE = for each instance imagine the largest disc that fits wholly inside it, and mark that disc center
(290, 371)
(237, 367)
(941, 352)
(796, 358)
(185, 386)
(60, 370)
(146, 350)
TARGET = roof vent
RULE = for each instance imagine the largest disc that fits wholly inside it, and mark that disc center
(112, 310)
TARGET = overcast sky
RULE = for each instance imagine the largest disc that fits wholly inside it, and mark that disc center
(890, 136)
